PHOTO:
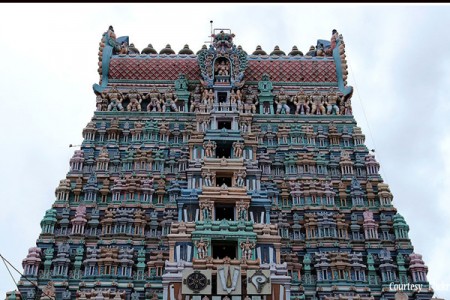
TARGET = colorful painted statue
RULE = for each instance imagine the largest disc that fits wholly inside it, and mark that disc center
(317, 103)
(281, 101)
(209, 147)
(197, 98)
(202, 248)
(332, 107)
(251, 100)
(247, 248)
(102, 103)
(170, 99)
(240, 178)
(301, 103)
(135, 100)
(155, 101)
(207, 178)
(237, 149)
(115, 98)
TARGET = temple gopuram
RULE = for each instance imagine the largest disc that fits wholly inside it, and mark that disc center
(223, 175)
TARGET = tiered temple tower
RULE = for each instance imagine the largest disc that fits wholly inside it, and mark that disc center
(223, 175)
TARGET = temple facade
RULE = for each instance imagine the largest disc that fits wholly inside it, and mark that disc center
(223, 175)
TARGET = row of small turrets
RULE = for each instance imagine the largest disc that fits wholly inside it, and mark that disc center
(258, 51)
(321, 50)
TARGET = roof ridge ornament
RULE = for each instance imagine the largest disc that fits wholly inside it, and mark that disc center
(223, 41)
(223, 63)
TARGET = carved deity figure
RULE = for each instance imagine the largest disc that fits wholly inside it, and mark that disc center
(102, 103)
(161, 184)
(223, 68)
(170, 99)
(202, 248)
(204, 123)
(251, 100)
(246, 248)
(49, 291)
(239, 97)
(209, 147)
(243, 214)
(301, 103)
(155, 101)
(245, 125)
(196, 96)
(206, 208)
(281, 101)
(115, 98)
(317, 103)
(242, 211)
(332, 107)
(346, 107)
(235, 98)
(208, 97)
(238, 148)
(240, 177)
(205, 212)
(135, 100)
(208, 177)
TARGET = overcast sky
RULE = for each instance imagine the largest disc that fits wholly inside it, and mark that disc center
(399, 66)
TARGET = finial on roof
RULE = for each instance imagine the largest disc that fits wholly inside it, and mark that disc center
(259, 51)
(133, 49)
(186, 50)
(149, 50)
(295, 52)
(167, 50)
(277, 51)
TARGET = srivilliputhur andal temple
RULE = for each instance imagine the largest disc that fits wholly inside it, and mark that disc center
(223, 175)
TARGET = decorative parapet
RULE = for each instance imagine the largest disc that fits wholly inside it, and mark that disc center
(109, 45)
(341, 67)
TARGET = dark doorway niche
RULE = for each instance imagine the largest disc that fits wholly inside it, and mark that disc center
(224, 149)
(222, 96)
(224, 124)
(224, 211)
(220, 180)
(220, 249)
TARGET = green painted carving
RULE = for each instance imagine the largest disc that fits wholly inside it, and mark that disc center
(266, 96)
